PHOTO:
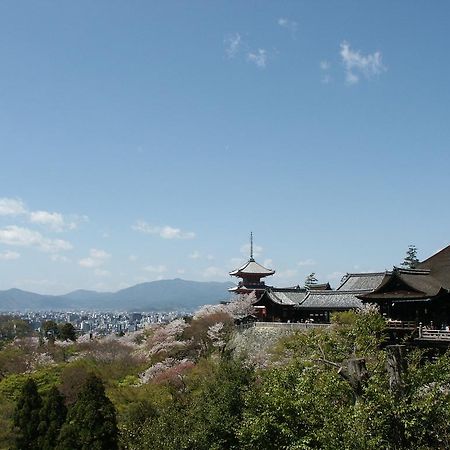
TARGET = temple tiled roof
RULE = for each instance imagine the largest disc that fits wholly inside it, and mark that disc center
(406, 284)
(251, 267)
(331, 300)
(291, 297)
(361, 281)
(319, 287)
(439, 266)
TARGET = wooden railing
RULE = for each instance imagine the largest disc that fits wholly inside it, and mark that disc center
(284, 325)
(434, 335)
(401, 325)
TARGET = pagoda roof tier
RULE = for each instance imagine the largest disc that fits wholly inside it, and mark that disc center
(251, 267)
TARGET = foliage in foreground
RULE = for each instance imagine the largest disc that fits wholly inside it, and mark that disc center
(180, 387)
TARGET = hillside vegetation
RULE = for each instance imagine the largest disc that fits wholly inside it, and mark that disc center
(196, 384)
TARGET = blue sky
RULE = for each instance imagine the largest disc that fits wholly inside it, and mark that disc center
(145, 140)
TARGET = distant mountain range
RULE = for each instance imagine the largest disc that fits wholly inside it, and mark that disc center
(163, 295)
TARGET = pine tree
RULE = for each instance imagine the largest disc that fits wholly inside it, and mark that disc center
(91, 422)
(411, 260)
(26, 416)
(52, 416)
(67, 332)
(311, 279)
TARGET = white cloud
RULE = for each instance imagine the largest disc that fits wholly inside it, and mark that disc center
(236, 262)
(357, 64)
(96, 258)
(268, 263)
(55, 221)
(11, 207)
(213, 272)
(259, 58)
(195, 255)
(287, 274)
(326, 79)
(24, 237)
(325, 65)
(257, 250)
(9, 255)
(232, 45)
(335, 276)
(290, 25)
(59, 258)
(181, 271)
(165, 232)
(102, 273)
(161, 268)
(306, 262)
(132, 258)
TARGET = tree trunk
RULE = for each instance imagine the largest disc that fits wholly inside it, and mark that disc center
(355, 373)
(396, 366)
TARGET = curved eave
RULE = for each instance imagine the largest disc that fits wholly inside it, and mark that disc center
(252, 268)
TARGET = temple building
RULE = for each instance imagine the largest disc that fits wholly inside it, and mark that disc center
(419, 295)
(251, 274)
(407, 298)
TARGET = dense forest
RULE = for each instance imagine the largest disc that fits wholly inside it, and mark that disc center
(201, 383)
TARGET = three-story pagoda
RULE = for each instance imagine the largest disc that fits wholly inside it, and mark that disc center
(251, 274)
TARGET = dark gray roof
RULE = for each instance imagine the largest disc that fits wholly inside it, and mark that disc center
(251, 267)
(287, 297)
(361, 281)
(406, 284)
(331, 300)
(439, 266)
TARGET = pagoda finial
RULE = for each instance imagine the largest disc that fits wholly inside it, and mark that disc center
(251, 245)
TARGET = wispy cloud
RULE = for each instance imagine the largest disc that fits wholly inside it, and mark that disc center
(290, 25)
(59, 258)
(161, 268)
(257, 250)
(165, 232)
(24, 237)
(306, 263)
(357, 64)
(96, 258)
(335, 276)
(9, 255)
(11, 207)
(287, 274)
(258, 57)
(53, 220)
(102, 273)
(195, 255)
(213, 272)
(325, 65)
(56, 221)
(232, 44)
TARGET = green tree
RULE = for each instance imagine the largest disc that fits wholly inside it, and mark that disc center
(311, 279)
(26, 416)
(51, 418)
(91, 421)
(50, 329)
(411, 260)
(67, 332)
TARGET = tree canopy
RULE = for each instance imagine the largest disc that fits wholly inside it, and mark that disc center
(410, 261)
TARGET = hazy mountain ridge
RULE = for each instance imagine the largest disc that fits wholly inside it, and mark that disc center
(151, 296)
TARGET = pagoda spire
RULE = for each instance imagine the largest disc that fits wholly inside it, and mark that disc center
(251, 245)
